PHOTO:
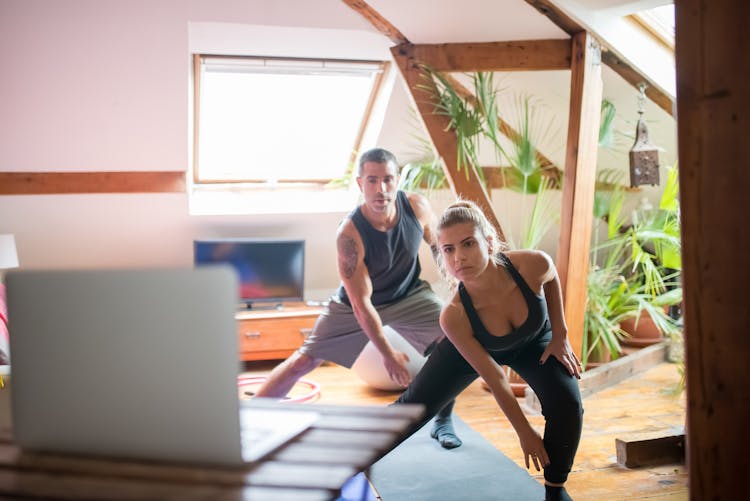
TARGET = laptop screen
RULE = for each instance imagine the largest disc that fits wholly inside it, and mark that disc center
(130, 363)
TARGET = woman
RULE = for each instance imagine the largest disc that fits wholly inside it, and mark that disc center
(507, 310)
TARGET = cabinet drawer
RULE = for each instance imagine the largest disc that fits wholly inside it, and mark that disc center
(262, 339)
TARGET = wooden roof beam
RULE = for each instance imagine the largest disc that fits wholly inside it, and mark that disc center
(527, 55)
(379, 22)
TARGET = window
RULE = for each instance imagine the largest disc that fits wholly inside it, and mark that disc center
(659, 22)
(270, 121)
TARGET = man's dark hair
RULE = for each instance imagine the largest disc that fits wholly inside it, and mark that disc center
(377, 155)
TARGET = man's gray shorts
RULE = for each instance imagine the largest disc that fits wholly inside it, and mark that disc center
(338, 337)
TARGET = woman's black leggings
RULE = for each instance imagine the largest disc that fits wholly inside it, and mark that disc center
(446, 374)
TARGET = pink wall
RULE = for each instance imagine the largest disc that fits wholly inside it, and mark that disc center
(97, 85)
(93, 85)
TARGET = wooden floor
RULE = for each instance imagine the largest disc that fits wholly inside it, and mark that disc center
(644, 403)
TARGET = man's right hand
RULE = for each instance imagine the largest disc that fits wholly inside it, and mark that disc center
(397, 369)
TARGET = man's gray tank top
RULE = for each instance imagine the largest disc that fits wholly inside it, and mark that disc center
(392, 256)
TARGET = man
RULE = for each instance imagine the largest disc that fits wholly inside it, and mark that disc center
(377, 246)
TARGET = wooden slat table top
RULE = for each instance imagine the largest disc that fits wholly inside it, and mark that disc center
(312, 467)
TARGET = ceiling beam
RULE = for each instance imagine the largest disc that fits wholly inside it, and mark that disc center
(527, 55)
(45, 183)
(557, 16)
(635, 78)
(608, 55)
(379, 22)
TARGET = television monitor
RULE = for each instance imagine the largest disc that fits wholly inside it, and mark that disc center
(269, 270)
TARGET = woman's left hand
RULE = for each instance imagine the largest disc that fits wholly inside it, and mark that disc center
(533, 449)
(561, 350)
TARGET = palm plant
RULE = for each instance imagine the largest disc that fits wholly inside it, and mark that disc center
(526, 173)
(477, 117)
(423, 174)
(466, 116)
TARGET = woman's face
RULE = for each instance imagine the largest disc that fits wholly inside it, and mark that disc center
(464, 249)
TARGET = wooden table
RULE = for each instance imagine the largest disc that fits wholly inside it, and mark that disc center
(313, 467)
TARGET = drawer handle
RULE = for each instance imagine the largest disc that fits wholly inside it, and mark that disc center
(305, 332)
(252, 334)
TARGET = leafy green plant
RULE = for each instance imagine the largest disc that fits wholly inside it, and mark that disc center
(607, 136)
(653, 240)
(525, 175)
(346, 179)
(425, 174)
(607, 292)
(628, 277)
(466, 117)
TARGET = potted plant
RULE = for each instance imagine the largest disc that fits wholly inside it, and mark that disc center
(634, 273)
(607, 295)
(653, 254)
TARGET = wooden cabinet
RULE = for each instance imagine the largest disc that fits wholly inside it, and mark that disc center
(275, 334)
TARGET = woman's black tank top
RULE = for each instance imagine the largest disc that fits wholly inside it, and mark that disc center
(536, 323)
(392, 256)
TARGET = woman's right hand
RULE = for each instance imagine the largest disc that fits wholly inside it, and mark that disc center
(533, 447)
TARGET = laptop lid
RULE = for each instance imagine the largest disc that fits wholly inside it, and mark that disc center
(131, 363)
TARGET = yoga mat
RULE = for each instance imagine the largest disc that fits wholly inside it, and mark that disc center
(419, 469)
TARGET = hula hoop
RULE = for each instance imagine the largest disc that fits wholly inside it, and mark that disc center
(243, 381)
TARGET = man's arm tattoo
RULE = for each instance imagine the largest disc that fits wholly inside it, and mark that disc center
(347, 256)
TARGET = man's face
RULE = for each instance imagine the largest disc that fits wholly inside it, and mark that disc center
(378, 183)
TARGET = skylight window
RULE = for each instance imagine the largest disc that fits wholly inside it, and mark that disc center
(273, 120)
(659, 22)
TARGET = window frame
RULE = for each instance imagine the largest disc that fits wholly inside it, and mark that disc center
(383, 68)
(654, 26)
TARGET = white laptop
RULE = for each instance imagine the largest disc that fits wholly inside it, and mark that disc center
(138, 364)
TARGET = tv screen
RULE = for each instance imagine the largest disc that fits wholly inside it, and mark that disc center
(269, 271)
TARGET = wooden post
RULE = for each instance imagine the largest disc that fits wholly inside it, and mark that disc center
(713, 112)
(579, 181)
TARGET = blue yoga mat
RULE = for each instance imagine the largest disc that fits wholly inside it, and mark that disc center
(419, 469)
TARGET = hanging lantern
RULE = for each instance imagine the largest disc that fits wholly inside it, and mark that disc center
(644, 156)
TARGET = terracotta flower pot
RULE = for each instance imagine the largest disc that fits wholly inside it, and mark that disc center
(645, 333)
(598, 358)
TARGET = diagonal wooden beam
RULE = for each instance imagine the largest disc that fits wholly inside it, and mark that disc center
(634, 78)
(579, 182)
(609, 57)
(557, 16)
(527, 55)
(465, 183)
(379, 22)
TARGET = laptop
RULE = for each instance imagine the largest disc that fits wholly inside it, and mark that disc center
(139, 364)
